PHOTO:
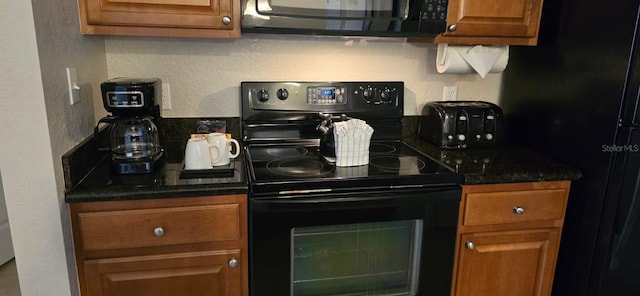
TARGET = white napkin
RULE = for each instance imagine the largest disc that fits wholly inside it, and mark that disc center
(482, 58)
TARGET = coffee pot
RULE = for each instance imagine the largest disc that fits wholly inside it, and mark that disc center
(131, 138)
(132, 135)
(133, 143)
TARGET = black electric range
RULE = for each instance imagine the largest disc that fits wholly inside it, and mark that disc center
(295, 191)
(283, 126)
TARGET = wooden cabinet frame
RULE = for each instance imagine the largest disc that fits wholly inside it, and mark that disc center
(499, 22)
(164, 18)
(196, 247)
(502, 253)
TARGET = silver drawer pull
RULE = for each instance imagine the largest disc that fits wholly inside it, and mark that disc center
(226, 20)
(233, 262)
(159, 231)
(470, 245)
(518, 210)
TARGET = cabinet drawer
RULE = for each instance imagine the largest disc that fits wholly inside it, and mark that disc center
(158, 227)
(502, 207)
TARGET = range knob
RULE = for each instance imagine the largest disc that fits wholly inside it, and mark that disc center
(388, 95)
(263, 95)
(489, 137)
(461, 137)
(282, 94)
(384, 95)
(368, 93)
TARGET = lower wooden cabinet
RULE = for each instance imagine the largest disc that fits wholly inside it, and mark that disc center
(199, 273)
(508, 238)
(163, 247)
(507, 263)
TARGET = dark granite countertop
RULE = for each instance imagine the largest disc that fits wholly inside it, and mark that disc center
(504, 164)
(88, 178)
(87, 172)
(101, 185)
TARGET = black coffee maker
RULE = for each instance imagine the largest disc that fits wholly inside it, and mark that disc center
(132, 132)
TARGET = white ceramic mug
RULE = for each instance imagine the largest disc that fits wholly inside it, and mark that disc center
(220, 150)
(196, 155)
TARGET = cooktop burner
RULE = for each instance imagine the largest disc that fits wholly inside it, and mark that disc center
(290, 168)
(299, 167)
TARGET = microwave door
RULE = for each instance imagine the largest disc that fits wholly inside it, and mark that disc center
(338, 15)
(352, 9)
(355, 9)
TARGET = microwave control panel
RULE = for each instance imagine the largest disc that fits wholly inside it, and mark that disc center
(435, 10)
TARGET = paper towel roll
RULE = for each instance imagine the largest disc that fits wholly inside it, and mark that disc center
(471, 59)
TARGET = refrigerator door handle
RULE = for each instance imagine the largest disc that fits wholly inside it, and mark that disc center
(620, 240)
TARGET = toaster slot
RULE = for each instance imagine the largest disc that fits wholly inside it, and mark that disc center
(475, 125)
(462, 125)
(489, 126)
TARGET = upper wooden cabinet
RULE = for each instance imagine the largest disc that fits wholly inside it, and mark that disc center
(509, 22)
(170, 18)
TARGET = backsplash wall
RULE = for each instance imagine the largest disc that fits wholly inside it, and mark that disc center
(204, 75)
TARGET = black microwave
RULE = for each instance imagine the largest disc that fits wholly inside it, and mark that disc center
(383, 18)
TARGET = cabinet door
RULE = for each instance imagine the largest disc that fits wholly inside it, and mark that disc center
(507, 263)
(198, 273)
(494, 18)
(162, 13)
(181, 18)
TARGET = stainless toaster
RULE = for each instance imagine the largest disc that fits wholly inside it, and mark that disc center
(461, 124)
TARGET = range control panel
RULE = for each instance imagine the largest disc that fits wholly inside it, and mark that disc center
(332, 97)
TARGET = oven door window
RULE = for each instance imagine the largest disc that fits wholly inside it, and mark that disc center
(378, 258)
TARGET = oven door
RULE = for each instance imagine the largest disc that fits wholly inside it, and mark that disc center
(376, 243)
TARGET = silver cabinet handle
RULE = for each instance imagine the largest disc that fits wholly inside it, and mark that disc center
(159, 231)
(226, 20)
(453, 28)
(518, 210)
(470, 245)
(233, 262)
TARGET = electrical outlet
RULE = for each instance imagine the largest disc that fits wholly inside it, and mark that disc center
(450, 93)
(166, 97)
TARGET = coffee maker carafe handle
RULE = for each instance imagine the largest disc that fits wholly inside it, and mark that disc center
(107, 120)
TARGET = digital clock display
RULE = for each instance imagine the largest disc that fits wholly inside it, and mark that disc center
(327, 93)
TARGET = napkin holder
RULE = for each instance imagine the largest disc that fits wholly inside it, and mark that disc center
(352, 139)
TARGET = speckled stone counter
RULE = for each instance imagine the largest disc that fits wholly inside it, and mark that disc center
(88, 176)
(101, 185)
(497, 165)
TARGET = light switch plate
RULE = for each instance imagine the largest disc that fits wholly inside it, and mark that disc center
(74, 89)
(166, 97)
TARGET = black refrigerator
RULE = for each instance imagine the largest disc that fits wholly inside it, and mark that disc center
(574, 98)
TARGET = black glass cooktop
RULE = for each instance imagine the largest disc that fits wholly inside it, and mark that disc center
(286, 169)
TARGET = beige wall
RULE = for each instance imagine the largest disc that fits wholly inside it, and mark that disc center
(205, 75)
(37, 126)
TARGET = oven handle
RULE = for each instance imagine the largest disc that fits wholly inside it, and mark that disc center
(329, 201)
